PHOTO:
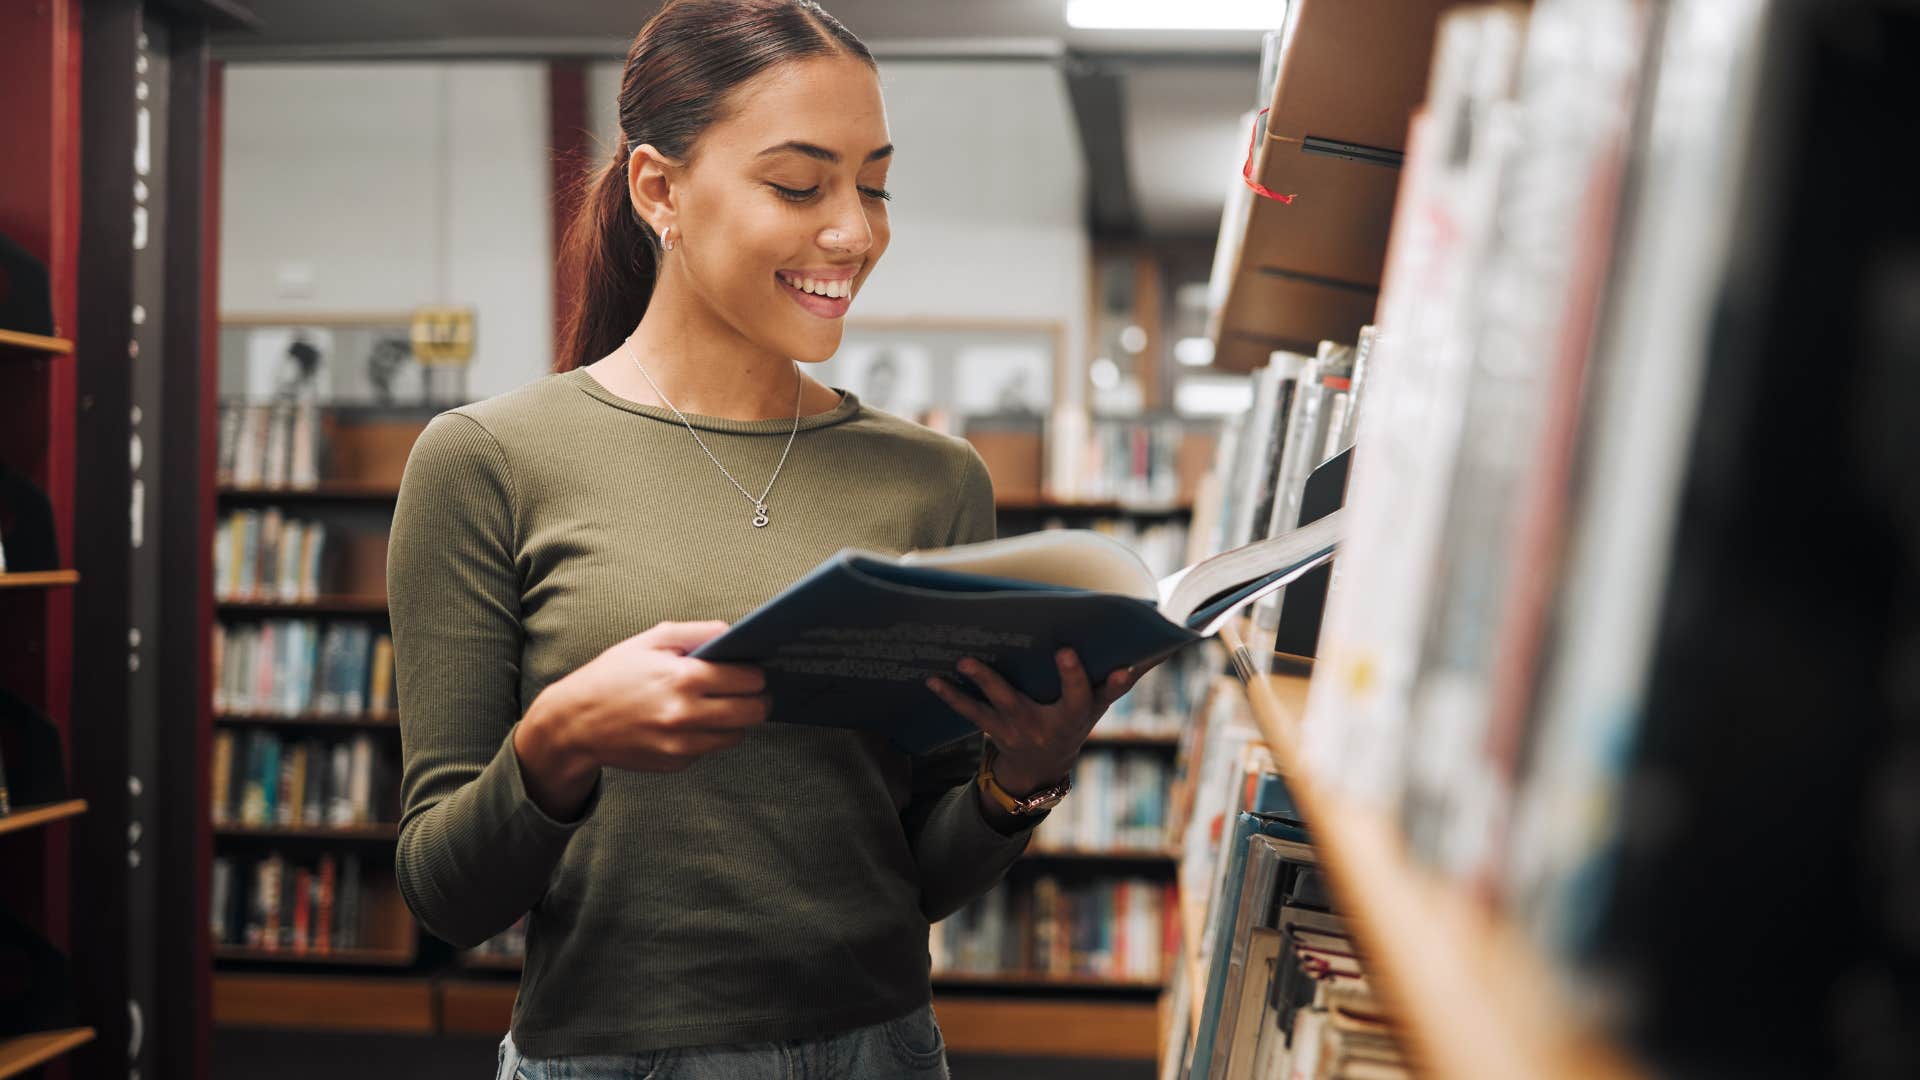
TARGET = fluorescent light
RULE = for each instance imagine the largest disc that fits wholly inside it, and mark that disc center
(1176, 14)
(1193, 351)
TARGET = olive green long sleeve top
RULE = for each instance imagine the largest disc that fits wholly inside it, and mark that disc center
(780, 889)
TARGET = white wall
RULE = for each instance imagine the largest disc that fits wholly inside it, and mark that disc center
(377, 187)
(380, 187)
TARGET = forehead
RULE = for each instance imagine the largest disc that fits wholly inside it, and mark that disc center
(829, 101)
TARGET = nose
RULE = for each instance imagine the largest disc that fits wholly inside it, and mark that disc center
(849, 233)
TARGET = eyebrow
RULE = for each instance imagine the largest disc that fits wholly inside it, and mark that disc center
(820, 152)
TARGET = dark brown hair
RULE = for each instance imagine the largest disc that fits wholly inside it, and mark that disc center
(680, 69)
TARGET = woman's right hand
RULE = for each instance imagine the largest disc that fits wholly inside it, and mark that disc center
(642, 705)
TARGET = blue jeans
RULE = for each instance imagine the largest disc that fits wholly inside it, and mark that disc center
(909, 1047)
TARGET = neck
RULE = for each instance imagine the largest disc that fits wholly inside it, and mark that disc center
(700, 363)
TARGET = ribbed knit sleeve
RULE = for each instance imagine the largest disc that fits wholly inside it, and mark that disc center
(475, 853)
(959, 854)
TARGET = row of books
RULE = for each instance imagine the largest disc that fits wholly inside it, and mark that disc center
(263, 778)
(1497, 617)
(280, 905)
(293, 667)
(264, 555)
(274, 445)
(1119, 803)
(1134, 462)
(1281, 992)
(1114, 928)
(1157, 706)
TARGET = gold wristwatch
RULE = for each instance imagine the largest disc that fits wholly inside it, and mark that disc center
(1044, 799)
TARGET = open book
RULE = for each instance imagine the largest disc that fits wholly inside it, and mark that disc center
(852, 643)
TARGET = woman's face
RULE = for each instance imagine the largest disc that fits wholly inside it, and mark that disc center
(782, 213)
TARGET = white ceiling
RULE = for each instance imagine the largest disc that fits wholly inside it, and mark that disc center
(1183, 92)
(599, 25)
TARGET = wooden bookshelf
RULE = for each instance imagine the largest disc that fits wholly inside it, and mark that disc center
(339, 604)
(1092, 508)
(15, 341)
(1127, 855)
(1038, 980)
(1104, 1029)
(1165, 742)
(1475, 999)
(332, 491)
(370, 832)
(18, 1053)
(40, 579)
(361, 1004)
(381, 958)
(308, 720)
(28, 817)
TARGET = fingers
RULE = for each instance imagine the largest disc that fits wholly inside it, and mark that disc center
(979, 715)
(1076, 693)
(721, 713)
(1001, 693)
(1114, 687)
(708, 677)
(683, 636)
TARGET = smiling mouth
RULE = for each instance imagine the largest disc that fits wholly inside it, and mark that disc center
(834, 289)
(827, 306)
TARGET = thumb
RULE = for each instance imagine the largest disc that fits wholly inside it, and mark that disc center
(684, 636)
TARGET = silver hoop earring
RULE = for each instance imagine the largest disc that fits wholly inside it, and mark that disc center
(666, 238)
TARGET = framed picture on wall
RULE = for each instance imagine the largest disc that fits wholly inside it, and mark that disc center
(346, 359)
(949, 373)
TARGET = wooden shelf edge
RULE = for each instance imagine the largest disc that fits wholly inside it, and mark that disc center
(1101, 854)
(1038, 981)
(27, 817)
(380, 958)
(20, 339)
(357, 723)
(383, 831)
(325, 1002)
(1474, 998)
(1116, 1030)
(345, 492)
(18, 1053)
(39, 579)
(320, 605)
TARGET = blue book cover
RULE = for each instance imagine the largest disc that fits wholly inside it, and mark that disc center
(1231, 913)
(852, 643)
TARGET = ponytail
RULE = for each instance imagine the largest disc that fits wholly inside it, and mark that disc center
(611, 259)
(680, 68)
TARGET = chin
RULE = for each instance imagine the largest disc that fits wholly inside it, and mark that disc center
(813, 348)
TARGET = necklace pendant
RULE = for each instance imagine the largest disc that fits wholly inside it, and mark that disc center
(760, 515)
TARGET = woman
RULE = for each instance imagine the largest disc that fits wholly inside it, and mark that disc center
(709, 895)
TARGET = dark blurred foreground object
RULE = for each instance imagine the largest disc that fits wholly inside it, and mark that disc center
(35, 773)
(36, 990)
(26, 305)
(26, 525)
(1765, 916)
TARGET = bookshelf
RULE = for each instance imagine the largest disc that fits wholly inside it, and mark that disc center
(320, 718)
(32, 817)
(40, 579)
(19, 1053)
(17, 343)
(1475, 999)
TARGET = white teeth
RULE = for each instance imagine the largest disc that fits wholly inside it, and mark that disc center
(830, 289)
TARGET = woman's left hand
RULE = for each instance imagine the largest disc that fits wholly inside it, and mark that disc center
(1037, 744)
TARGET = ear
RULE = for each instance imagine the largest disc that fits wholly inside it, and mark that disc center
(650, 180)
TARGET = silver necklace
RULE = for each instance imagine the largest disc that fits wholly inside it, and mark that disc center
(759, 504)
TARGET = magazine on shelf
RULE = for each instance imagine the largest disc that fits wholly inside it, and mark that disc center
(852, 643)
